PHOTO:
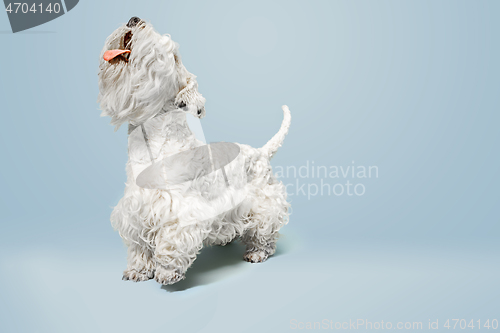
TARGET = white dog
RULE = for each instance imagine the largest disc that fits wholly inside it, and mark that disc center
(181, 194)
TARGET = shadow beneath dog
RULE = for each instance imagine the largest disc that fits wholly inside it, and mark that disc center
(212, 263)
(215, 263)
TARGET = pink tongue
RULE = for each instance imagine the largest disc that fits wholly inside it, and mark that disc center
(111, 54)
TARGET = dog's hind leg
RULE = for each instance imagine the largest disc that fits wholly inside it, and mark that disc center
(267, 216)
(140, 266)
(259, 245)
(176, 249)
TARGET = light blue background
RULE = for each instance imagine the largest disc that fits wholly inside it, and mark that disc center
(409, 86)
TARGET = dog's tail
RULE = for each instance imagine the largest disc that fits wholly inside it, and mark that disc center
(272, 146)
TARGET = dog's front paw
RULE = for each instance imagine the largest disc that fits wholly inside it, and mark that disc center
(255, 256)
(136, 276)
(166, 276)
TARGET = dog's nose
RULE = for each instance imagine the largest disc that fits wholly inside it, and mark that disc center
(133, 22)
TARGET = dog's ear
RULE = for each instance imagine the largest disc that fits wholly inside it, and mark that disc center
(189, 99)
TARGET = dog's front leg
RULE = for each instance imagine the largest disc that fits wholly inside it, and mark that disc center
(176, 249)
(140, 264)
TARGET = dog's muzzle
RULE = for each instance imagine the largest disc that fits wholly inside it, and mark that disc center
(112, 54)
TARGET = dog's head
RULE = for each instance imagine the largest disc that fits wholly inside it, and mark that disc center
(140, 71)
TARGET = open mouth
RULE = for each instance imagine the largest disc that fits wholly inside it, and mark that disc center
(121, 54)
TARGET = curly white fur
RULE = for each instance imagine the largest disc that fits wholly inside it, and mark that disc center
(165, 228)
